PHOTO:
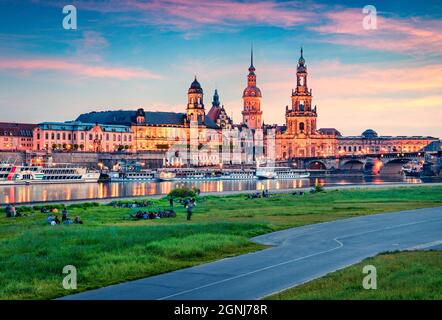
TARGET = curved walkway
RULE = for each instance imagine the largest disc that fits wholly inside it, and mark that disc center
(296, 255)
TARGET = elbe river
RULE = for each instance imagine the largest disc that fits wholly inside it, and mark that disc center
(38, 193)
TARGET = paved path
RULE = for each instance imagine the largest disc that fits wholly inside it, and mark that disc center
(297, 255)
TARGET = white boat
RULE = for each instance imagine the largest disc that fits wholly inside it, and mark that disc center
(166, 176)
(12, 174)
(142, 175)
(58, 174)
(287, 173)
(265, 173)
(280, 173)
(8, 173)
(238, 175)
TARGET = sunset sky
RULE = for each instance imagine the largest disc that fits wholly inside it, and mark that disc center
(133, 53)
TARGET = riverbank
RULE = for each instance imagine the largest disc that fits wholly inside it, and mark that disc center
(228, 193)
(110, 247)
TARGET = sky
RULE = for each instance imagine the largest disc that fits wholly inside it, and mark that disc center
(129, 54)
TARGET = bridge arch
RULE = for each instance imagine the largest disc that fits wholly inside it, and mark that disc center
(353, 165)
(394, 166)
(316, 165)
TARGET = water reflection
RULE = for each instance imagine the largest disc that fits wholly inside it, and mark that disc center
(88, 191)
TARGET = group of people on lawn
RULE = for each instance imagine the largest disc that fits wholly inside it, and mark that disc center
(54, 220)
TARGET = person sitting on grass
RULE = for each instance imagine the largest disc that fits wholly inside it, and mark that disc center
(77, 220)
(50, 218)
(64, 215)
(56, 220)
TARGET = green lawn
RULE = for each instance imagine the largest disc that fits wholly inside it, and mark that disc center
(110, 248)
(400, 275)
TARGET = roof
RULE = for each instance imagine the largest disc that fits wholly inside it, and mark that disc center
(118, 117)
(16, 129)
(214, 113)
(252, 91)
(128, 117)
(80, 126)
(330, 132)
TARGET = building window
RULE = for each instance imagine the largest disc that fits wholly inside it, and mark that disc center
(302, 127)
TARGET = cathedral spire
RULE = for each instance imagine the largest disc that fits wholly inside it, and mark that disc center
(301, 60)
(252, 67)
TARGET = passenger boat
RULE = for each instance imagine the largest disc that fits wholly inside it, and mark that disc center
(265, 173)
(8, 173)
(280, 173)
(142, 175)
(163, 175)
(34, 174)
(238, 175)
(288, 173)
(57, 174)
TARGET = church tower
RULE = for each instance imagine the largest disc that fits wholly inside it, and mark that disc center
(195, 105)
(252, 114)
(301, 118)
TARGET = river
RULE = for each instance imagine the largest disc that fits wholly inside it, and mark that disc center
(39, 193)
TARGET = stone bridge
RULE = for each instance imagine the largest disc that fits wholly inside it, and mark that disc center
(386, 164)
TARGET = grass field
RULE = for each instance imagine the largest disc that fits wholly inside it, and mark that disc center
(110, 248)
(400, 275)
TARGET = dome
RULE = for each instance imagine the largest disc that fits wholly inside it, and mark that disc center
(369, 133)
(195, 87)
(252, 92)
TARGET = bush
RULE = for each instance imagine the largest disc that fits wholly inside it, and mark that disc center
(49, 207)
(84, 205)
(184, 192)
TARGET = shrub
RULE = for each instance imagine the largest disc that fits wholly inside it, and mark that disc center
(83, 205)
(49, 207)
(184, 192)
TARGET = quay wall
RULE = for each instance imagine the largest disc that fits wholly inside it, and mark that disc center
(89, 159)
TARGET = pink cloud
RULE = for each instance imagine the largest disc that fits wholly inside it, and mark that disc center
(56, 65)
(191, 14)
(392, 34)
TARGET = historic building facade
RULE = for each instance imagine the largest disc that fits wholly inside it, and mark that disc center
(300, 137)
(16, 136)
(83, 137)
(169, 131)
(369, 142)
